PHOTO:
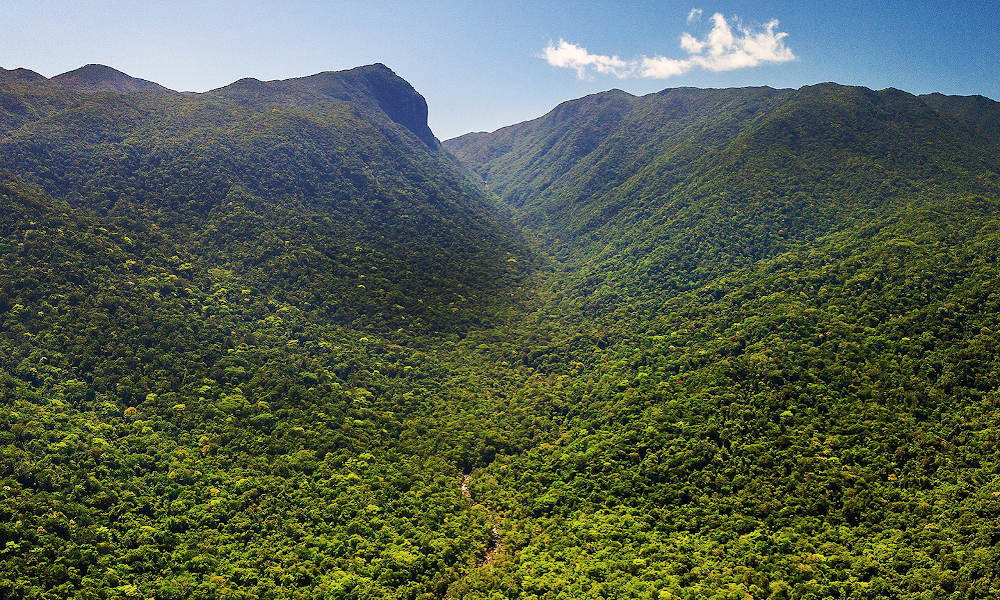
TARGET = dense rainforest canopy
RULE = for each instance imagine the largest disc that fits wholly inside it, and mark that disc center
(277, 341)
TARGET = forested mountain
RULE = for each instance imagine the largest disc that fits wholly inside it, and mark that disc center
(196, 395)
(688, 184)
(19, 75)
(979, 112)
(329, 186)
(101, 78)
(772, 320)
(275, 341)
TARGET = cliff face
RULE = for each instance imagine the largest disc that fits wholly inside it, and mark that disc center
(377, 85)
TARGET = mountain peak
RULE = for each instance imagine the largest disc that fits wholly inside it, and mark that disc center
(393, 95)
(374, 86)
(102, 78)
(19, 75)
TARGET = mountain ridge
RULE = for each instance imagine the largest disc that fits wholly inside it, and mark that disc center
(340, 156)
(100, 78)
(274, 341)
(770, 310)
(573, 171)
(373, 85)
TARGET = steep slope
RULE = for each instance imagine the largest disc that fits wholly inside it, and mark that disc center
(226, 341)
(596, 142)
(340, 168)
(769, 342)
(822, 423)
(374, 87)
(687, 184)
(167, 430)
(271, 342)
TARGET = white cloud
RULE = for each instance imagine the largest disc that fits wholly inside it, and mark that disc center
(661, 67)
(727, 51)
(571, 56)
(694, 15)
(721, 49)
(691, 44)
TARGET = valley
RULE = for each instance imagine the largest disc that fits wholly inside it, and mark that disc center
(276, 340)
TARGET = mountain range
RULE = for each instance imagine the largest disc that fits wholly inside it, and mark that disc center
(275, 340)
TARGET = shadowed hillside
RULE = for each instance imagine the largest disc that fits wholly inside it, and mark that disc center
(331, 186)
(276, 341)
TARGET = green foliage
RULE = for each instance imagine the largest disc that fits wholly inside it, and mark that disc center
(661, 193)
(307, 190)
(769, 340)
(251, 340)
(824, 423)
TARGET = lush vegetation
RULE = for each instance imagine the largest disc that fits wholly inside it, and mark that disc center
(703, 343)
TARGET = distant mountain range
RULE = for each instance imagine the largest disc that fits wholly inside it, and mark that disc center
(88, 78)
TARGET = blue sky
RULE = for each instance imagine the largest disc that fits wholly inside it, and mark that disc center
(480, 64)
